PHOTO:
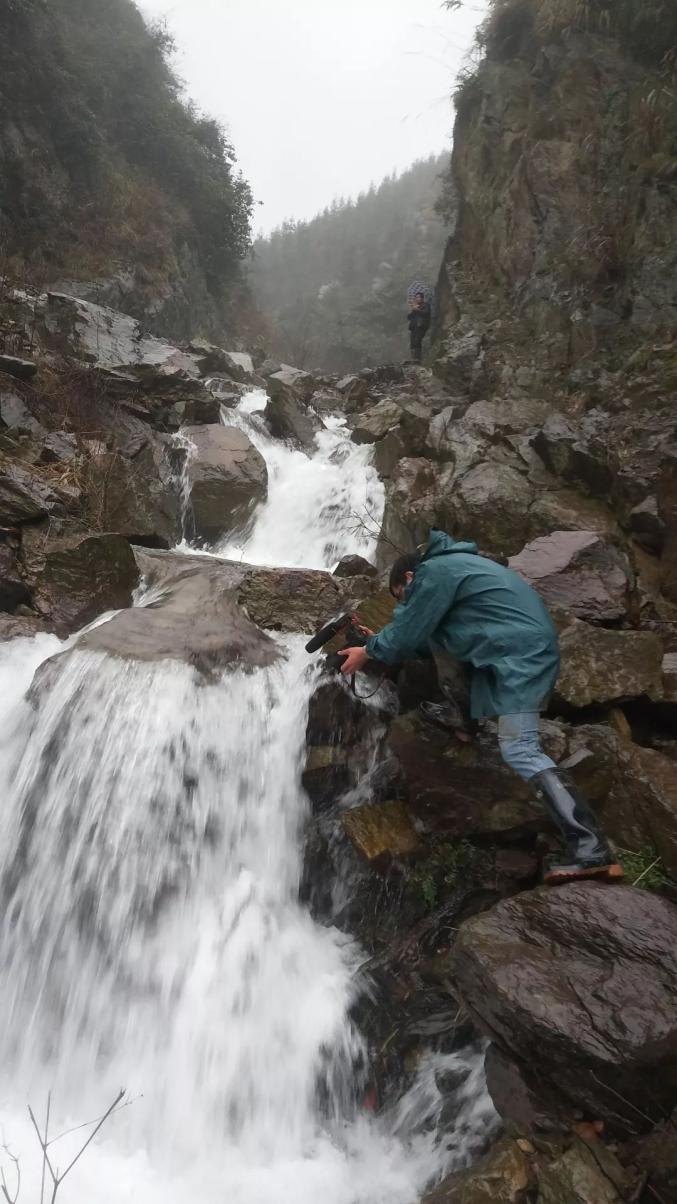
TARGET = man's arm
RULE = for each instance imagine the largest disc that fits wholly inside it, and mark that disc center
(414, 622)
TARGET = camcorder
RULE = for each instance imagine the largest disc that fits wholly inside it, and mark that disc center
(349, 628)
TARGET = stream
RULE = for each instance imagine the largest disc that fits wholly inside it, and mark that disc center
(151, 936)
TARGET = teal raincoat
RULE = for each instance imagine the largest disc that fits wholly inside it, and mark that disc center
(484, 615)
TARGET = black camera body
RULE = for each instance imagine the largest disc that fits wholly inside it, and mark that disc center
(347, 626)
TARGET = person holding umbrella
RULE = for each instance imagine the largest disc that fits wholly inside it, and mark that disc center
(419, 321)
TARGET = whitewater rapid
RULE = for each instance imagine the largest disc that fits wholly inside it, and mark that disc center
(151, 936)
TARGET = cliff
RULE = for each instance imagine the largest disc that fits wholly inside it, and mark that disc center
(562, 257)
(111, 185)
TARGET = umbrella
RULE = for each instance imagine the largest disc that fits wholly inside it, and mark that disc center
(419, 286)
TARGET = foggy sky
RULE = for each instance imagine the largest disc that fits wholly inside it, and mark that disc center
(321, 97)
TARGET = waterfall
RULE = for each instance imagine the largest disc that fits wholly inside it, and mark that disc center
(319, 507)
(151, 935)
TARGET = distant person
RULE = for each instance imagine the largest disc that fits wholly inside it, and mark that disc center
(419, 321)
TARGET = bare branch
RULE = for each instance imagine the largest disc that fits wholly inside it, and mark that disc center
(42, 1181)
(17, 1170)
(93, 1134)
(43, 1145)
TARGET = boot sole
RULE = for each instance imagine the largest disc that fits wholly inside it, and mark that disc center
(610, 873)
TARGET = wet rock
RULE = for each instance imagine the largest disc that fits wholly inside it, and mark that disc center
(12, 586)
(58, 447)
(415, 418)
(74, 578)
(517, 1105)
(136, 496)
(580, 571)
(460, 362)
(656, 1155)
(205, 410)
(27, 494)
(492, 503)
(227, 478)
(327, 401)
(639, 808)
(197, 618)
(566, 510)
(111, 339)
(290, 599)
(569, 454)
(353, 391)
(381, 831)
(16, 416)
(578, 985)
(388, 452)
(280, 599)
(21, 369)
(449, 439)
(269, 367)
(460, 789)
(15, 627)
(240, 365)
(291, 383)
(355, 566)
(414, 503)
(327, 775)
(335, 715)
(504, 1176)
(647, 526)
(288, 419)
(374, 423)
(510, 415)
(601, 666)
(586, 1172)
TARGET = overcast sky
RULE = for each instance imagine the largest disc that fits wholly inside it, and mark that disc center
(321, 97)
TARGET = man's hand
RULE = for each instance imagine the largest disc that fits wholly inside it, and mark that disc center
(356, 659)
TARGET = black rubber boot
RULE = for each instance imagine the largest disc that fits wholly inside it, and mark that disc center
(588, 854)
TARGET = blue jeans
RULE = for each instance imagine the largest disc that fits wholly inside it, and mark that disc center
(520, 745)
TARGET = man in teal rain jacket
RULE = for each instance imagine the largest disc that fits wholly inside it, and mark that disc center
(489, 618)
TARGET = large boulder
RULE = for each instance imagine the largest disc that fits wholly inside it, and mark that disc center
(602, 666)
(135, 494)
(580, 571)
(27, 494)
(73, 578)
(491, 502)
(280, 599)
(413, 504)
(288, 419)
(579, 986)
(291, 382)
(577, 454)
(375, 423)
(227, 478)
(196, 619)
(109, 339)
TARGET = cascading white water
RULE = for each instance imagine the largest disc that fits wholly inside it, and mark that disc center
(319, 507)
(151, 937)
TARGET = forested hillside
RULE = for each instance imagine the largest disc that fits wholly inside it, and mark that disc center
(334, 288)
(107, 175)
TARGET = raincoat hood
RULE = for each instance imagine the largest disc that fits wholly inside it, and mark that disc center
(440, 544)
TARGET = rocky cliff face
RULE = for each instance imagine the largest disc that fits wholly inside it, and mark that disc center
(562, 260)
(111, 186)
